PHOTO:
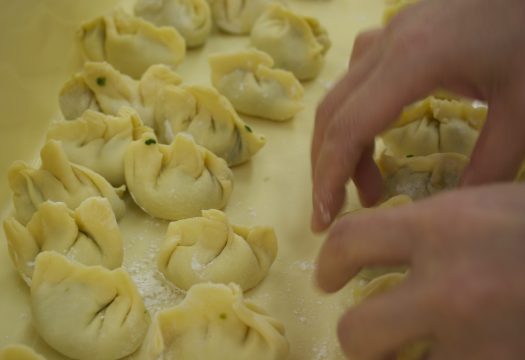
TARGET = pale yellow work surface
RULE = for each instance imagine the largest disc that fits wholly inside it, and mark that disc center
(38, 53)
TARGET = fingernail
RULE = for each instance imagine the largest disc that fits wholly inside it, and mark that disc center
(321, 217)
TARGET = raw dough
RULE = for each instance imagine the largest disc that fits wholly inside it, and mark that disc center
(215, 322)
(86, 312)
(98, 141)
(131, 44)
(58, 180)
(296, 43)
(247, 79)
(192, 18)
(89, 235)
(208, 248)
(176, 181)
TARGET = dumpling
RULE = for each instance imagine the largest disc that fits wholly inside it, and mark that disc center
(394, 7)
(192, 18)
(210, 119)
(380, 285)
(208, 248)
(296, 43)
(237, 16)
(370, 273)
(130, 44)
(436, 125)
(421, 176)
(98, 141)
(89, 234)
(86, 312)
(58, 180)
(19, 352)
(215, 322)
(101, 88)
(176, 181)
(247, 79)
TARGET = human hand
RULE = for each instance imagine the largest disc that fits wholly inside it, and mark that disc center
(471, 47)
(465, 290)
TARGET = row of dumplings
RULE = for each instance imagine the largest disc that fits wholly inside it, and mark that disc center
(170, 146)
(65, 241)
(162, 29)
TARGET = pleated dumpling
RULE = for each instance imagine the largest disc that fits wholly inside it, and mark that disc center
(89, 234)
(378, 286)
(192, 18)
(296, 43)
(237, 16)
(58, 180)
(19, 352)
(176, 181)
(98, 86)
(210, 119)
(215, 322)
(98, 141)
(130, 44)
(436, 125)
(208, 248)
(86, 312)
(421, 176)
(247, 79)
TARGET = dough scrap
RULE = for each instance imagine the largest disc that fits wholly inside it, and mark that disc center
(89, 234)
(247, 79)
(130, 44)
(209, 249)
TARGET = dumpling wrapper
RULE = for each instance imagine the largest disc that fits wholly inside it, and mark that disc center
(86, 312)
(89, 234)
(435, 125)
(215, 322)
(98, 141)
(130, 44)
(19, 352)
(191, 18)
(421, 176)
(296, 43)
(209, 249)
(210, 119)
(247, 79)
(100, 87)
(58, 180)
(380, 285)
(237, 16)
(176, 181)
